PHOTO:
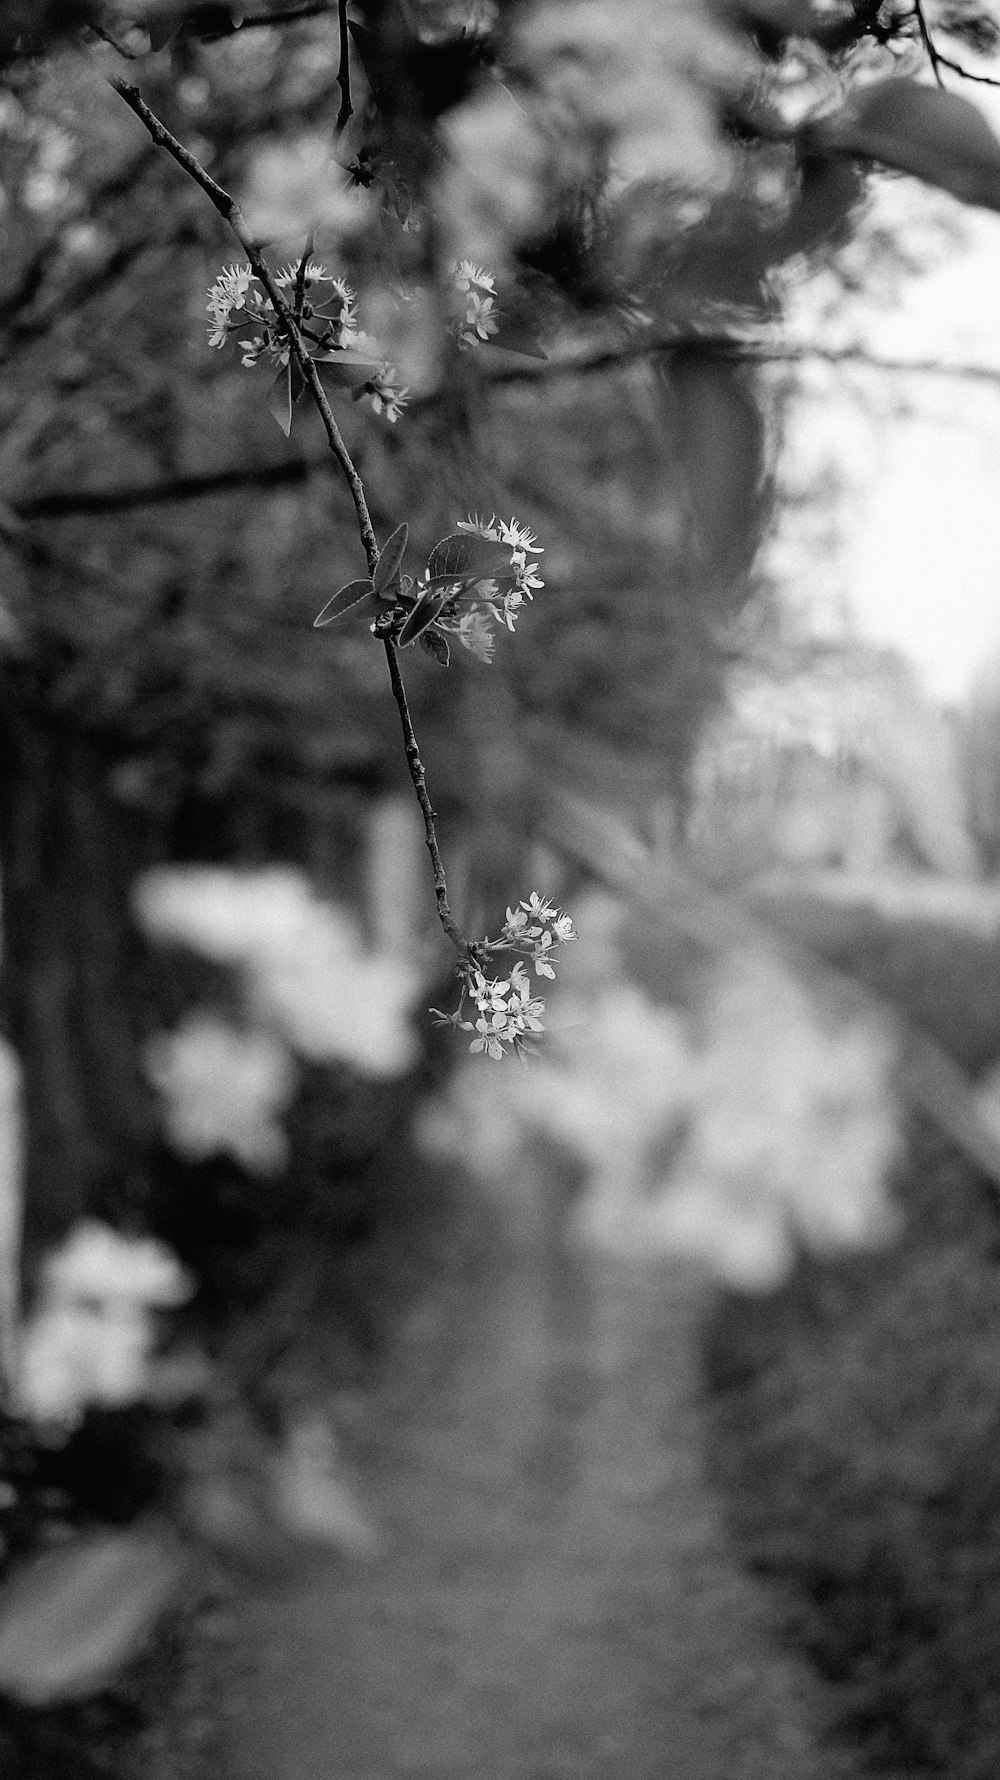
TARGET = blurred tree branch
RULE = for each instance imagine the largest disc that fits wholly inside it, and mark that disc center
(95, 502)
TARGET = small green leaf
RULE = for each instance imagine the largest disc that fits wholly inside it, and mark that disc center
(461, 552)
(342, 601)
(390, 558)
(279, 399)
(436, 646)
(342, 369)
(427, 608)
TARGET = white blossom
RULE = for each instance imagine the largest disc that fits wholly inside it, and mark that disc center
(228, 293)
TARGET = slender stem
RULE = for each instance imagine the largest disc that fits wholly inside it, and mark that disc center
(928, 42)
(230, 211)
(412, 750)
(344, 71)
(939, 61)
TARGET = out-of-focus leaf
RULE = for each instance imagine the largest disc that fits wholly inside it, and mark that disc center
(70, 1618)
(279, 399)
(312, 1498)
(830, 190)
(342, 601)
(515, 337)
(390, 558)
(230, 1512)
(436, 646)
(162, 29)
(427, 608)
(461, 553)
(720, 443)
(938, 137)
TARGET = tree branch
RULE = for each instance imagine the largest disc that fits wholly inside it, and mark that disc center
(417, 775)
(65, 503)
(231, 213)
(722, 346)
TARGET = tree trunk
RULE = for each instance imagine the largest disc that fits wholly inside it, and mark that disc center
(72, 963)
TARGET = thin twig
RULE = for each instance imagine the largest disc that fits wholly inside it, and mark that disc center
(416, 766)
(983, 80)
(928, 42)
(729, 347)
(230, 211)
(344, 71)
(300, 279)
(939, 61)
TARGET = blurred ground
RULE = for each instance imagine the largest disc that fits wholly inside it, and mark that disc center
(556, 1597)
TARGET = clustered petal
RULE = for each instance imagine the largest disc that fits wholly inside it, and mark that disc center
(479, 321)
(497, 600)
(507, 1013)
(326, 315)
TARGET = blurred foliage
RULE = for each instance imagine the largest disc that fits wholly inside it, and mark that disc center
(855, 1412)
(854, 1436)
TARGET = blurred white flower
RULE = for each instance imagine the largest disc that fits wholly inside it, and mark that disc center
(223, 1090)
(333, 999)
(295, 186)
(98, 1262)
(229, 916)
(304, 965)
(777, 1129)
(91, 1338)
(76, 1354)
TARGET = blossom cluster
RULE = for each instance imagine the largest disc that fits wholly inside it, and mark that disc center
(495, 599)
(477, 289)
(325, 310)
(507, 1014)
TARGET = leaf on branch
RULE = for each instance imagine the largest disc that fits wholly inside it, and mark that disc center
(343, 369)
(70, 1618)
(436, 646)
(162, 29)
(390, 558)
(514, 336)
(938, 137)
(342, 601)
(279, 399)
(462, 553)
(427, 608)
